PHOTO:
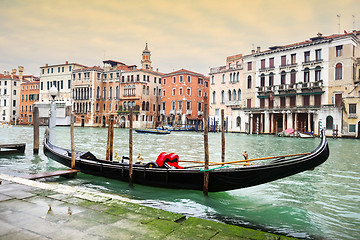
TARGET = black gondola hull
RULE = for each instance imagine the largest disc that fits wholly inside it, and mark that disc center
(220, 179)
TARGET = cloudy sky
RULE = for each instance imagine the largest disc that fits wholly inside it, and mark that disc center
(190, 34)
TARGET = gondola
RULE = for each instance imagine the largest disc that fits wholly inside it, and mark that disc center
(220, 178)
(152, 131)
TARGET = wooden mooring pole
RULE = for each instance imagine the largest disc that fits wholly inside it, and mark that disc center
(222, 136)
(72, 140)
(36, 122)
(130, 148)
(206, 148)
(110, 142)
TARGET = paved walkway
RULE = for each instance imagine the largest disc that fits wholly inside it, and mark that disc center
(35, 210)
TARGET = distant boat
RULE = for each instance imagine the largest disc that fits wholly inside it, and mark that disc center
(152, 131)
(306, 135)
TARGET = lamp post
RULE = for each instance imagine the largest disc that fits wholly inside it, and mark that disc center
(52, 121)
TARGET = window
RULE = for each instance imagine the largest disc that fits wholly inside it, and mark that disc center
(292, 101)
(188, 79)
(249, 66)
(223, 78)
(271, 79)
(262, 63)
(317, 74)
(188, 91)
(180, 105)
(248, 103)
(200, 93)
(317, 100)
(306, 75)
(164, 93)
(214, 97)
(229, 95)
(283, 77)
(173, 105)
(306, 100)
(239, 95)
(69, 84)
(318, 54)
(338, 71)
(271, 62)
(174, 91)
(69, 68)
(249, 82)
(307, 56)
(174, 79)
(352, 128)
(164, 81)
(104, 93)
(212, 80)
(282, 102)
(339, 51)
(329, 122)
(283, 60)
(222, 97)
(98, 92)
(293, 76)
(262, 80)
(188, 105)
(352, 108)
(262, 102)
(181, 79)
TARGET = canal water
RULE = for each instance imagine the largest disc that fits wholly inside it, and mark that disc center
(319, 204)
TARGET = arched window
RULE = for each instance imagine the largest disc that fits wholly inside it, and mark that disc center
(98, 92)
(262, 80)
(212, 80)
(117, 92)
(338, 71)
(283, 77)
(229, 95)
(223, 78)
(239, 95)
(214, 97)
(147, 106)
(133, 90)
(317, 73)
(329, 122)
(110, 92)
(222, 97)
(238, 77)
(249, 83)
(293, 76)
(306, 75)
(104, 94)
(271, 79)
(231, 75)
(97, 106)
(234, 95)
(238, 122)
(143, 106)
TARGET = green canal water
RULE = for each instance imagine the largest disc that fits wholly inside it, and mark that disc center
(319, 204)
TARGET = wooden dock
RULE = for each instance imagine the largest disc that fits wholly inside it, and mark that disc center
(14, 148)
(68, 173)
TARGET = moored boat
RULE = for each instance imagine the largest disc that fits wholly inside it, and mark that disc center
(164, 173)
(153, 131)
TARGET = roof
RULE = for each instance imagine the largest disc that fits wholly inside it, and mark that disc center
(88, 68)
(183, 71)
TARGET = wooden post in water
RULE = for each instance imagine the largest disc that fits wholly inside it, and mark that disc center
(72, 140)
(36, 123)
(222, 136)
(110, 142)
(206, 148)
(130, 147)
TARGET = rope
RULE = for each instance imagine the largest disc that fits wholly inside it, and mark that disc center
(204, 170)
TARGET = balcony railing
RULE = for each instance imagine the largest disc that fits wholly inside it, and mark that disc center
(352, 115)
(199, 113)
(292, 86)
(188, 112)
(162, 112)
(172, 111)
(312, 62)
(179, 111)
(233, 103)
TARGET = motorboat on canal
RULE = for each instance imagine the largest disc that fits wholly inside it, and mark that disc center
(165, 171)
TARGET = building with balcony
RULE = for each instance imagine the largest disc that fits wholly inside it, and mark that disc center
(29, 94)
(10, 95)
(305, 86)
(183, 97)
(226, 85)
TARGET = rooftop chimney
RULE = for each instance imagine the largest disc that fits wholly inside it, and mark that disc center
(258, 49)
(21, 71)
(66, 62)
(253, 51)
(13, 73)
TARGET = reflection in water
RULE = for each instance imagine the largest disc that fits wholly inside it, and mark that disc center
(323, 203)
